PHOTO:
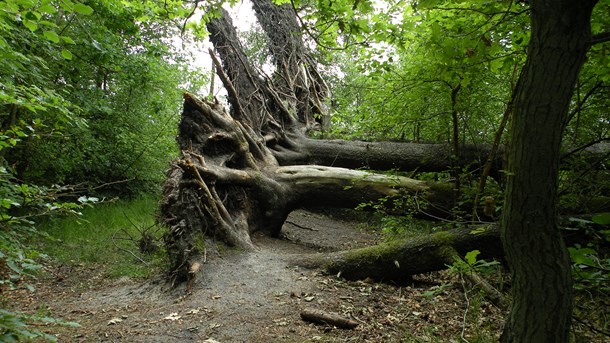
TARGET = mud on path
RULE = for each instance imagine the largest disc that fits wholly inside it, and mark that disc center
(258, 297)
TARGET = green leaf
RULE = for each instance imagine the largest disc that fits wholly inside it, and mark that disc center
(67, 40)
(32, 15)
(582, 256)
(67, 5)
(471, 257)
(30, 25)
(83, 9)
(11, 264)
(52, 36)
(66, 54)
(478, 230)
(601, 219)
(47, 9)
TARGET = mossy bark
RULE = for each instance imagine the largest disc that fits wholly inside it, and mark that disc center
(400, 259)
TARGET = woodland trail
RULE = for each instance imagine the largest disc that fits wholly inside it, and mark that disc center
(258, 297)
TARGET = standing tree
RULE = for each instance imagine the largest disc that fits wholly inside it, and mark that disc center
(540, 264)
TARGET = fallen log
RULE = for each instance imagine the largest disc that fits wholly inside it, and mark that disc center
(398, 260)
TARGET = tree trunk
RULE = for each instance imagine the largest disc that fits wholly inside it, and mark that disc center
(541, 274)
(398, 260)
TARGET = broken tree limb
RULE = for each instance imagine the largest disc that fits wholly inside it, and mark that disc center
(489, 292)
(321, 317)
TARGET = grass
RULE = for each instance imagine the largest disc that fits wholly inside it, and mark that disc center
(107, 235)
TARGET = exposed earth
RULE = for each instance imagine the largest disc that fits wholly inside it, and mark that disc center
(258, 297)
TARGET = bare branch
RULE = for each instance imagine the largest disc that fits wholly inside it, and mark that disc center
(600, 38)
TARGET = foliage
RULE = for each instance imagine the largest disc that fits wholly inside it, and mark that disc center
(591, 273)
(13, 326)
(109, 236)
(100, 84)
(400, 88)
(591, 262)
(20, 205)
(471, 263)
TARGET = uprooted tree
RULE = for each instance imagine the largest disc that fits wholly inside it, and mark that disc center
(246, 169)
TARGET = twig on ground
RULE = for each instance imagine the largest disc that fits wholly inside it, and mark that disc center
(462, 335)
(320, 317)
(126, 250)
(301, 226)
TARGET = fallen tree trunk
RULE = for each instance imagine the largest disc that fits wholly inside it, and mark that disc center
(386, 155)
(231, 185)
(399, 260)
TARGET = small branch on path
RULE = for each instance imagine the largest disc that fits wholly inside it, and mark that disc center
(301, 226)
(320, 317)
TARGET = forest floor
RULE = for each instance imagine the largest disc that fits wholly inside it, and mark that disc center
(258, 297)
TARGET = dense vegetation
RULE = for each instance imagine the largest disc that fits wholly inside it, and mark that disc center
(90, 96)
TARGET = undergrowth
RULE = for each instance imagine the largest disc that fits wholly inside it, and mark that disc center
(109, 235)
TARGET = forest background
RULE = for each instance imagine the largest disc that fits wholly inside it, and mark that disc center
(91, 95)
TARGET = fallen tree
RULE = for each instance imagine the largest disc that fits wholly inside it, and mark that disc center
(400, 259)
(232, 185)
(247, 169)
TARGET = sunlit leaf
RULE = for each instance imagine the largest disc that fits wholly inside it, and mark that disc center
(68, 40)
(52, 36)
(471, 257)
(83, 9)
(31, 25)
(47, 9)
(66, 54)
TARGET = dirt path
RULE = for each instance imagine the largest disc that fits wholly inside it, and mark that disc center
(257, 297)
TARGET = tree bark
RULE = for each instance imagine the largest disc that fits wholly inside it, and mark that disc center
(398, 260)
(540, 265)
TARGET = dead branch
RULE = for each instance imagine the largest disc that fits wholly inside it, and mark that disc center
(321, 317)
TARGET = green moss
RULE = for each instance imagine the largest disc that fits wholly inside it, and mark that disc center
(374, 252)
(445, 241)
(443, 238)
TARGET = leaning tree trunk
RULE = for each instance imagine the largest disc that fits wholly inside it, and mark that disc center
(541, 274)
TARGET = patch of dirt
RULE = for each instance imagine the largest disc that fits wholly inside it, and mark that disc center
(258, 297)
